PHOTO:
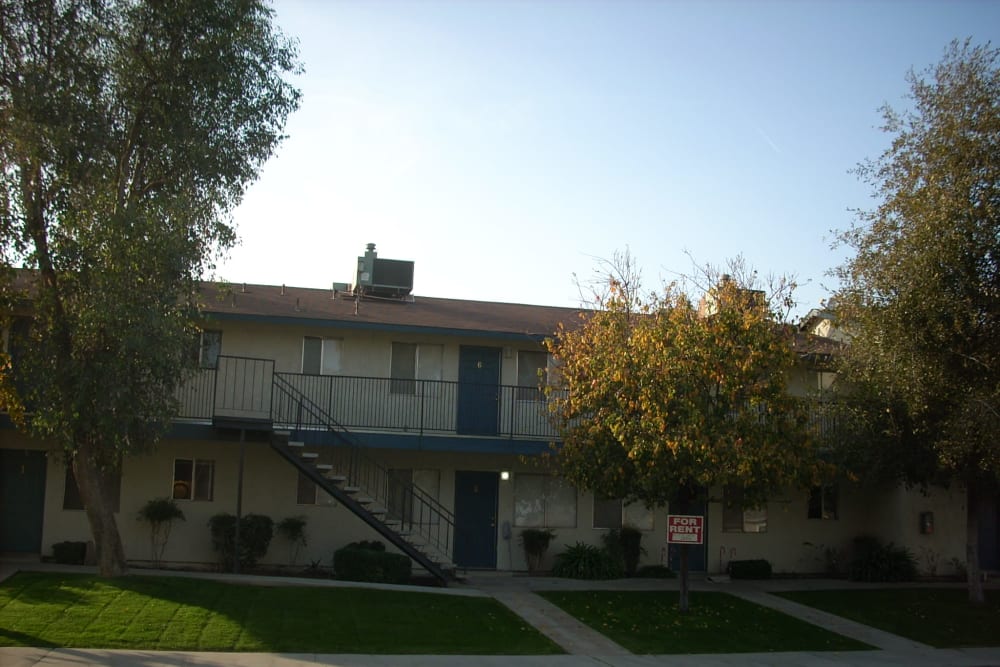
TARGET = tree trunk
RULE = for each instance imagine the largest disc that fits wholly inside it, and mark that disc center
(974, 500)
(685, 548)
(98, 501)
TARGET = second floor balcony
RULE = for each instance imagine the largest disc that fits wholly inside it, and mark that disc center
(251, 389)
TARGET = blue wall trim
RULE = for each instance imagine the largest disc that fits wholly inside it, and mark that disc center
(405, 441)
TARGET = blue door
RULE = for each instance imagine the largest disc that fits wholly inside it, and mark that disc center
(476, 495)
(989, 530)
(478, 390)
(22, 500)
(697, 561)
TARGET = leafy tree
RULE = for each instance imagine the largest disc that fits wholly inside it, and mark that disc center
(129, 130)
(658, 400)
(921, 294)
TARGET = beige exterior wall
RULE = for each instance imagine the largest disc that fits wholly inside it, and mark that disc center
(363, 353)
(792, 542)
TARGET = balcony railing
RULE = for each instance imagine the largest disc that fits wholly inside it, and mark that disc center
(243, 387)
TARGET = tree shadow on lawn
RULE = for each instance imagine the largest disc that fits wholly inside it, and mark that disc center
(176, 613)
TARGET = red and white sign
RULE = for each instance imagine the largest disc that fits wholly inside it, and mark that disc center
(685, 529)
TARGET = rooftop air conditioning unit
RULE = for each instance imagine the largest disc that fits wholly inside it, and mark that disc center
(388, 278)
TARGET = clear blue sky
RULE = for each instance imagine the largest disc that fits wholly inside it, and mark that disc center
(503, 146)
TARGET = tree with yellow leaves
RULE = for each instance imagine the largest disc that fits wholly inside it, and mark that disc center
(660, 398)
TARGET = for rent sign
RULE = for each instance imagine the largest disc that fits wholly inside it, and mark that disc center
(685, 529)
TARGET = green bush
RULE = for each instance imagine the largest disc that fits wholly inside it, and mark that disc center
(372, 545)
(655, 572)
(874, 561)
(256, 531)
(293, 530)
(362, 561)
(69, 553)
(585, 561)
(160, 514)
(535, 542)
(624, 546)
(758, 568)
(631, 546)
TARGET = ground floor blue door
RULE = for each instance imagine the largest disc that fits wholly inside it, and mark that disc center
(989, 535)
(22, 500)
(476, 497)
(697, 553)
(478, 390)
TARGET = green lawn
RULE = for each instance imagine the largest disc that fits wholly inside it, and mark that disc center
(647, 622)
(172, 613)
(941, 617)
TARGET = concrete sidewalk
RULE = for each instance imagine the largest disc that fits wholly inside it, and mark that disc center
(30, 657)
(583, 645)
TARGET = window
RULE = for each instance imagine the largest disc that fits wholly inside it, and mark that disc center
(320, 356)
(543, 501)
(410, 362)
(638, 516)
(607, 512)
(823, 502)
(531, 367)
(194, 479)
(209, 348)
(613, 513)
(736, 519)
(403, 369)
(71, 492)
(305, 493)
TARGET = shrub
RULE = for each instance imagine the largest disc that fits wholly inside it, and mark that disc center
(874, 561)
(625, 547)
(655, 572)
(535, 542)
(631, 547)
(256, 531)
(69, 553)
(585, 561)
(758, 568)
(372, 545)
(355, 562)
(611, 541)
(160, 514)
(293, 530)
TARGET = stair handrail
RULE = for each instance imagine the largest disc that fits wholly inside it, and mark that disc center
(345, 436)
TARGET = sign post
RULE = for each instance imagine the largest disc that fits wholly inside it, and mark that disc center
(685, 529)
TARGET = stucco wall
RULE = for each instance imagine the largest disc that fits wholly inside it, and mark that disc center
(363, 353)
(793, 543)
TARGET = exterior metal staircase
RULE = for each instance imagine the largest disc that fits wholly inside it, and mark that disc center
(400, 511)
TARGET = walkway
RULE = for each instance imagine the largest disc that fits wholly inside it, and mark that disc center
(584, 646)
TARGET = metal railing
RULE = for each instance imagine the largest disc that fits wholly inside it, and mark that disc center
(242, 387)
(417, 512)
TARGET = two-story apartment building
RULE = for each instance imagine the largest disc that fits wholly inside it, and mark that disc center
(418, 421)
